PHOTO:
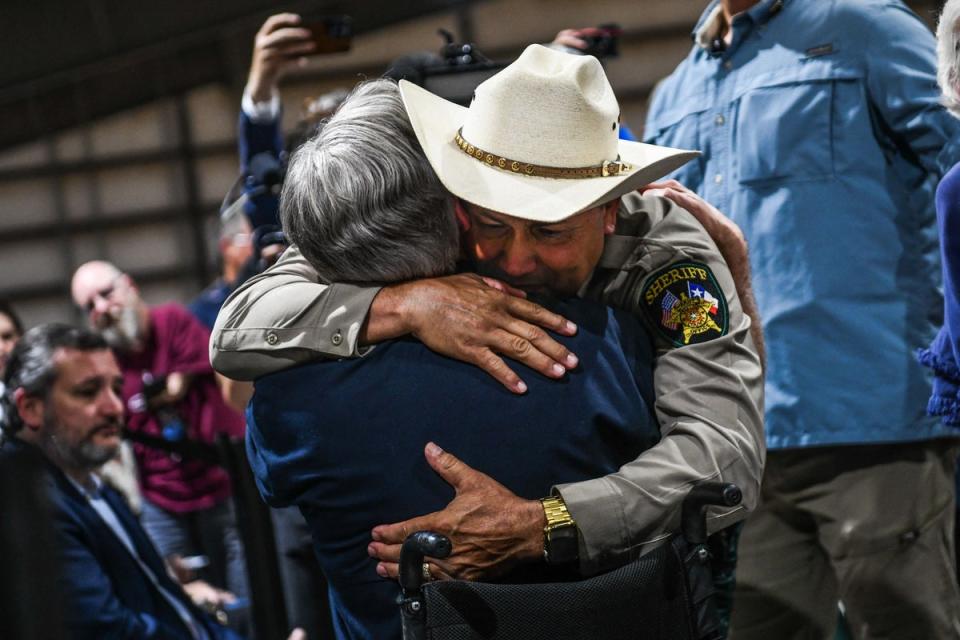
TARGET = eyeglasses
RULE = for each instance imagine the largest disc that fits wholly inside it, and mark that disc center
(106, 293)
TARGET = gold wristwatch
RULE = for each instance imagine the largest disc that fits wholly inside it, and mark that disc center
(561, 538)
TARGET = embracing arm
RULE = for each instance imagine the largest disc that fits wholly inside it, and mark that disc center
(709, 400)
(730, 243)
(709, 404)
(286, 316)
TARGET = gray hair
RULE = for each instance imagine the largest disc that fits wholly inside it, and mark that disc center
(360, 199)
(31, 366)
(948, 55)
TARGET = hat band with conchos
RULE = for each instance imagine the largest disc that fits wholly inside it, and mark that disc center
(605, 170)
(538, 142)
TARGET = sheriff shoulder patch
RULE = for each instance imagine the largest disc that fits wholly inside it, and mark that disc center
(685, 304)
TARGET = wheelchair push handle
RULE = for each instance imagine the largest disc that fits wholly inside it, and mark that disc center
(415, 547)
(693, 525)
(693, 522)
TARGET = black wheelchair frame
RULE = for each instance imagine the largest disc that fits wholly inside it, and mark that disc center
(666, 594)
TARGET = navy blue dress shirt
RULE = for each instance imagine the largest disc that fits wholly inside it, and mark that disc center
(344, 441)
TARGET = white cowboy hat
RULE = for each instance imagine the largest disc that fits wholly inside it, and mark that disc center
(539, 141)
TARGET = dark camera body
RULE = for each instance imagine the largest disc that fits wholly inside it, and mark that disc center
(604, 44)
(453, 74)
(331, 34)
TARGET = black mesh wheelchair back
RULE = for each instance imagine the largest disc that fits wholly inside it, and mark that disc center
(666, 594)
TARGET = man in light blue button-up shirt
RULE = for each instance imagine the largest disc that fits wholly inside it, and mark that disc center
(823, 138)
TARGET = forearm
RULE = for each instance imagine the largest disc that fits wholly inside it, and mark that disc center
(247, 349)
(386, 319)
(733, 248)
(284, 317)
(709, 397)
(711, 413)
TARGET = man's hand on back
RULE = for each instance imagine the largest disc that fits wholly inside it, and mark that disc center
(491, 528)
(475, 320)
(723, 230)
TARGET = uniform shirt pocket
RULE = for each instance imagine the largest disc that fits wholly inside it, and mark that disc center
(784, 123)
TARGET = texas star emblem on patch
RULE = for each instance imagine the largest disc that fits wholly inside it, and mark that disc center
(685, 304)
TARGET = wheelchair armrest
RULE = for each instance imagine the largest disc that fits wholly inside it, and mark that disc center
(417, 545)
(693, 521)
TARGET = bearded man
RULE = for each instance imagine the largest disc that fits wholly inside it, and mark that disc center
(187, 508)
(64, 408)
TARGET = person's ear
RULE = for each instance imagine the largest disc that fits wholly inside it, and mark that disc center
(610, 216)
(463, 218)
(30, 408)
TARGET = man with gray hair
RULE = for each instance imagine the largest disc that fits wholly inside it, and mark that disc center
(63, 400)
(364, 217)
(636, 256)
(304, 441)
(170, 390)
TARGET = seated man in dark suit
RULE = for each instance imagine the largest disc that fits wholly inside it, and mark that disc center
(63, 400)
(344, 440)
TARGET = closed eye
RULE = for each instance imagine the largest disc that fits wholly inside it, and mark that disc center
(553, 233)
(491, 227)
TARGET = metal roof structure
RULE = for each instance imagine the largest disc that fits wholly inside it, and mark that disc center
(69, 62)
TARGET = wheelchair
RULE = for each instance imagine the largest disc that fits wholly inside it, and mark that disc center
(666, 594)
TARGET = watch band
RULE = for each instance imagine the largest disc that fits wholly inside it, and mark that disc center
(561, 538)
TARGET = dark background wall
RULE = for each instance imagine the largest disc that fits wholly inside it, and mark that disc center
(117, 117)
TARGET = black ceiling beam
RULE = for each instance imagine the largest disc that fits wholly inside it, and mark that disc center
(106, 223)
(56, 98)
(113, 161)
(108, 90)
(61, 289)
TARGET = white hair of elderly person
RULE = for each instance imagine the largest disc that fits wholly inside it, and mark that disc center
(948, 55)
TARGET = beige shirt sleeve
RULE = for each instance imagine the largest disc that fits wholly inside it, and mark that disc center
(709, 398)
(286, 316)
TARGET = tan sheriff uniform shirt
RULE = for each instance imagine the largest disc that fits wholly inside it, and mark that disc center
(709, 391)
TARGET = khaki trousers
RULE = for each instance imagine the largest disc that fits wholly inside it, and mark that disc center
(871, 526)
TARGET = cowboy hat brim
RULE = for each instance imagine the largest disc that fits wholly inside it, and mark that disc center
(436, 122)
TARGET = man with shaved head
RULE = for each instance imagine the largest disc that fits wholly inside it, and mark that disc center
(170, 392)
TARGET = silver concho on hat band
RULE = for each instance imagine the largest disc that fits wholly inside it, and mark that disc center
(605, 170)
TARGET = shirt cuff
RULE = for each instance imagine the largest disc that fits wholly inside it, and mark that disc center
(260, 112)
(597, 508)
